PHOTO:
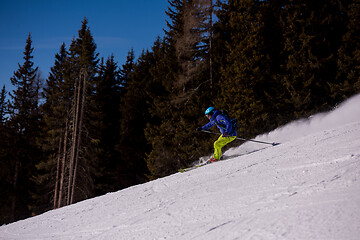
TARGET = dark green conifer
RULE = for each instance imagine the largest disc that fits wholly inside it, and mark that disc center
(84, 60)
(348, 76)
(55, 110)
(313, 32)
(182, 61)
(126, 71)
(2, 105)
(134, 110)
(24, 121)
(249, 85)
(106, 101)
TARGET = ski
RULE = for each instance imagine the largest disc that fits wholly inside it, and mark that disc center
(182, 170)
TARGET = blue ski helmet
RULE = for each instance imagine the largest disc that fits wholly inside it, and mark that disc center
(209, 110)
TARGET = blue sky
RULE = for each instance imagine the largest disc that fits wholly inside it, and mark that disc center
(116, 25)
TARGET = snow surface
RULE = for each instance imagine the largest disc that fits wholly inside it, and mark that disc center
(308, 187)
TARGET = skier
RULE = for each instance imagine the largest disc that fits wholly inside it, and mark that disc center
(228, 131)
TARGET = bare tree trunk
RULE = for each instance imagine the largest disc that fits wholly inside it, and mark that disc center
(83, 76)
(57, 173)
(197, 27)
(74, 137)
(63, 164)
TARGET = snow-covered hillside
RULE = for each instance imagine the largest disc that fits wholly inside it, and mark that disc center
(308, 187)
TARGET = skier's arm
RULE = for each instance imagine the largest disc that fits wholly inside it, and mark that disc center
(208, 125)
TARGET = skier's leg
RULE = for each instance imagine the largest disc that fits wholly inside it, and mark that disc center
(217, 148)
(220, 143)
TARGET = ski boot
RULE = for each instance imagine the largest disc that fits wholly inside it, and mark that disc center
(211, 160)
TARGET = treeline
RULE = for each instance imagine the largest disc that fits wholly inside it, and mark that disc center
(96, 127)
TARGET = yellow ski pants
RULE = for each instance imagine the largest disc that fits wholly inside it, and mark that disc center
(220, 143)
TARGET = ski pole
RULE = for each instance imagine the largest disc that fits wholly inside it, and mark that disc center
(244, 139)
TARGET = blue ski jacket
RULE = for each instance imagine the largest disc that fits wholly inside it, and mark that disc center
(222, 122)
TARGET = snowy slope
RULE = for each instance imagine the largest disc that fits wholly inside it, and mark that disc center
(306, 188)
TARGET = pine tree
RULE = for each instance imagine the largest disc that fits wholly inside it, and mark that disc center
(134, 109)
(107, 101)
(126, 71)
(221, 38)
(162, 126)
(249, 85)
(190, 37)
(2, 105)
(348, 77)
(24, 121)
(182, 60)
(5, 176)
(313, 32)
(69, 141)
(55, 115)
(83, 58)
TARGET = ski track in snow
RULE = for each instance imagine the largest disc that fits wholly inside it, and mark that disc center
(308, 187)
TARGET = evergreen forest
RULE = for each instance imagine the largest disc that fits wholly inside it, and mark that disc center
(94, 126)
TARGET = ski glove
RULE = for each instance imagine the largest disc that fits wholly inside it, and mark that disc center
(198, 129)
